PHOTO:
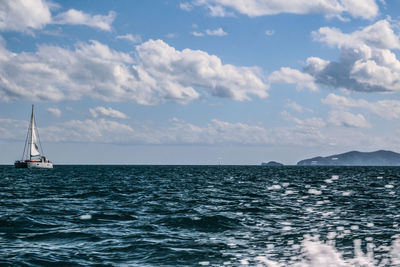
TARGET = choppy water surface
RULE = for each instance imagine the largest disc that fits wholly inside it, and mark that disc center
(200, 215)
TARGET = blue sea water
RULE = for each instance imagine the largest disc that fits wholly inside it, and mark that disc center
(200, 215)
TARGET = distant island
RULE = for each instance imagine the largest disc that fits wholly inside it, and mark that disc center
(356, 158)
(271, 163)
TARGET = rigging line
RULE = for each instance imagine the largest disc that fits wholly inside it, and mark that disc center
(26, 140)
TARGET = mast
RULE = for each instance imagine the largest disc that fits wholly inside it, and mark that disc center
(30, 134)
(25, 153)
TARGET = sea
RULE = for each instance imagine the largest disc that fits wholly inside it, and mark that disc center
(200, 216)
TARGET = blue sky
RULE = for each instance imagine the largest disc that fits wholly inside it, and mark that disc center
(199, 81)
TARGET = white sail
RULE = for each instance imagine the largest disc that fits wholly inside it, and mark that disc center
(34, 140)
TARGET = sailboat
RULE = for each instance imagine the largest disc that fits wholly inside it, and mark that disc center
(31, 158)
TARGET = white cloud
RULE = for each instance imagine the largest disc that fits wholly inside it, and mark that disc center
(11, 129)
(378, 35)
(366, 9)
(215, 132)
(185, 6)
(220, 132)
(313, 122)
(367, 62)
(347, 119)
(55, 112)
(217, 32)
(107, 112)
(77, 17)
(159, 73)
(54, 73)
(101, 130)
(188, 68)
(25, 16)
(342, 101)
(197, 34)
(296, 107)
(389, 109)
(269, 32)
(20, 15)
(308, 132)
(132, 38)
(293, 76)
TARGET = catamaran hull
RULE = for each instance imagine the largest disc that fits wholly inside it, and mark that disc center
(40, 165)
(21, 165)
(34, 165)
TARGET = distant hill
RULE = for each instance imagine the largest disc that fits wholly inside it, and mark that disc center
(271, 163)
(356, 158)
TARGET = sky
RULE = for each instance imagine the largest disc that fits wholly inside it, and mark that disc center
(199, 81)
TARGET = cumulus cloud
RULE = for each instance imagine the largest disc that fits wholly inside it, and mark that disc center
(11, 129)
(197, 34)
(347, 119)
(55, 73)
(185, 6)
(366, 9)
(55, 112)
(178, 131)
(157, 74)
(215, 132)
(217, 32)
(306, 132)
(366, 63)
(195, 68)
(25, 16)
(77, 17)
(293, 76)
(20, 15)
(389, 109)
(101, 130)
(313, 122)
(378, 35)
(296, 107)
(107, 112)
(132, 38)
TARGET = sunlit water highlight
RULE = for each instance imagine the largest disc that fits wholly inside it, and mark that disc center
(200, 215)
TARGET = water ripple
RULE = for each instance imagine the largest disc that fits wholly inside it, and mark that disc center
(200, 215)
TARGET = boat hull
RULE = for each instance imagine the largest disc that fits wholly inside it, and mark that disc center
(40, 165)
(20, 164)
(33, 165)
